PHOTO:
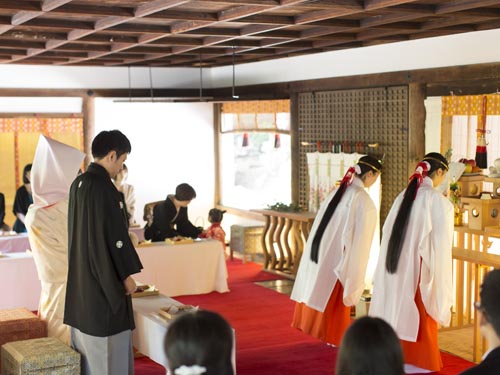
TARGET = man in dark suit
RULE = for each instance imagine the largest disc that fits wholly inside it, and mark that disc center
(489, 321)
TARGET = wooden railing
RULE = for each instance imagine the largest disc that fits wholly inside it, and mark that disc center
(471, 261)
(283, 239)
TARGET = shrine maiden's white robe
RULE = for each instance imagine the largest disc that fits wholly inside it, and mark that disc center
(343, 251)
(428, 241)
(55, 166)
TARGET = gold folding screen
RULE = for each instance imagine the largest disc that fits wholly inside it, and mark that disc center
(357, 118)
(18, 141)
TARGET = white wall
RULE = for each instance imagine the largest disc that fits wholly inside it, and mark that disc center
(432, 124)
(460, 49)
(171, 143)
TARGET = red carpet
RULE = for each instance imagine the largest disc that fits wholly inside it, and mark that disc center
(265, 342)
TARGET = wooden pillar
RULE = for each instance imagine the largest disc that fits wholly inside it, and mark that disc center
(295, 149)
(217, 117)
(88, 125)
(416, 125)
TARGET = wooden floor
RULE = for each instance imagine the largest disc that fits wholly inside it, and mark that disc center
(457, 342)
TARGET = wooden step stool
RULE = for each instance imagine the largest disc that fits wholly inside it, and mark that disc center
(46, 355)
(20, 324)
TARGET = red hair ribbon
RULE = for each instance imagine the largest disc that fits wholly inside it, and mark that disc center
(420, 172)
(348, 176)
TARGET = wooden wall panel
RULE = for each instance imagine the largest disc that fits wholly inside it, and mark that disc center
(375, 115)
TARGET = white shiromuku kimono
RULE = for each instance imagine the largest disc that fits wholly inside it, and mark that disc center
(426, 254)
(48, 234)
(343, 251)
(54, 167)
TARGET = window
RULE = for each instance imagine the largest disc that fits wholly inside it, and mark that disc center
(255, 154)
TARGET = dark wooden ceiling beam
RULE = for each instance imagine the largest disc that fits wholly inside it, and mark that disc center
(119, 32)
(184, 15)
(379, 4)
(108, 22)
(458, 5)
(266, 19)
(232, 14)
(390, 18)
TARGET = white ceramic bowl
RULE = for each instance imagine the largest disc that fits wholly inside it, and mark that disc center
(496, 163)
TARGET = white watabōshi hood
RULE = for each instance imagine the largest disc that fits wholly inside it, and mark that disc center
(55, 166)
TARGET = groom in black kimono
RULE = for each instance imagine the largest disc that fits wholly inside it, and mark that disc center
(101, 261)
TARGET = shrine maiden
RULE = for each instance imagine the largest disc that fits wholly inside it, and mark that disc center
(54, 168)
(332, 270)
(101, 262)
(412, 286)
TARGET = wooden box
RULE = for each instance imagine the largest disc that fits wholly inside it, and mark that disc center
(471, 186)
(482, 212)
(20, 324)
(246, 239)
(39, 356)
(496, 185)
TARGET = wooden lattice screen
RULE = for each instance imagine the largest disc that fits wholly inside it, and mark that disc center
(376, 115)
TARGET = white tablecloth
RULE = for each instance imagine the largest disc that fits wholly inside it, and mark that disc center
(150, 329)
(14, 244)
(178, 270)
(138, 231)
(19, 284)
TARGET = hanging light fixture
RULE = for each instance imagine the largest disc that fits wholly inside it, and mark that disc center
(151, 84)
(245, 142)
(152, 99)
(234, 79)
(277, 140)
(201, 81)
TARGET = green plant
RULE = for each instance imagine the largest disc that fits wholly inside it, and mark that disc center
(282, 207)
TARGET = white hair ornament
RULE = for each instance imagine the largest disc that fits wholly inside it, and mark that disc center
(190, 370)
(357, 169)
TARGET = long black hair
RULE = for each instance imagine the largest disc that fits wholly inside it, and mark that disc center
(366, 163)
(429, 164)
(370, 347)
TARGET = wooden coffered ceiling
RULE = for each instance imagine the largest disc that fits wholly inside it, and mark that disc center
(169, 33)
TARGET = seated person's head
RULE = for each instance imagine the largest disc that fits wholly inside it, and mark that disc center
(201, 342)
(489, 306)
(184, 193)
(215, 215)
(121, 177)
(370, 346)
(27, 174)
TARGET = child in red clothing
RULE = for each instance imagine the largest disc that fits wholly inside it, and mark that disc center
(215, 231)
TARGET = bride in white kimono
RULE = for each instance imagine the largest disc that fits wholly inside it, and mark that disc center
(331, 275)
(412, 286)
(55, 166)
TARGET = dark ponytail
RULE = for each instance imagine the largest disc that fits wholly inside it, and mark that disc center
(430, 163)
(364, 165)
